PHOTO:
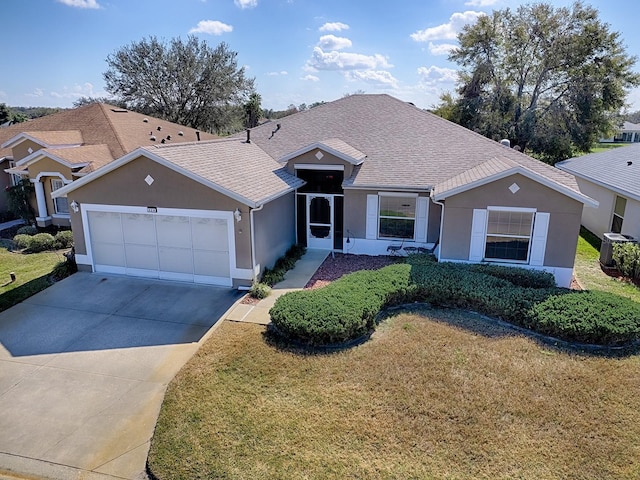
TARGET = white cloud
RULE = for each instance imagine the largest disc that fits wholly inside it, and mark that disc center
(481, 3)
(321, 60)
(311, 78)
(447, 31)
(441, 48)
(77, 91)
(433, 75)
(334, 27)
(37, 92)
(376, 77)
(331, 42)
(212, 27)
(80, 3)
(275, 74)
(3, 94)
(246, 3)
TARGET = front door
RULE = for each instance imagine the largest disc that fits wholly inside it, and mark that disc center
(320, 221)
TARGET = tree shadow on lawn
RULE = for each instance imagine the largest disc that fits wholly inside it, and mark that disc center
(16, 295)
(470, 321)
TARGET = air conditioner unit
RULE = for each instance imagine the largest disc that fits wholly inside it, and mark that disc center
(606, 248)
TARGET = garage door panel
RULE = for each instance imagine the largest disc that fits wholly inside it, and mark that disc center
(214, 264)
(210, 234)
(105, 227)
(179, 260)
(174, 231)
(109, 254)
(142, 256)
(139, 228)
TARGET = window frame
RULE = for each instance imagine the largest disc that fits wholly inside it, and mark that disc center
(407, 195)
(615, 215)
(528, 237)
(56, 206)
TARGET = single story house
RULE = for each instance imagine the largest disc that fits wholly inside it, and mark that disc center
(613, 179)
(626, 133)
(55, 150)
(366, 174)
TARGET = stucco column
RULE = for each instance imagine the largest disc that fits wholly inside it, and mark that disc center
(41, 199)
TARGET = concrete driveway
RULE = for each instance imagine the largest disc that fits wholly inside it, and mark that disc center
(83, 370)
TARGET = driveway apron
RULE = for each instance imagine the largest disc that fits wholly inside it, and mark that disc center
(83, 370)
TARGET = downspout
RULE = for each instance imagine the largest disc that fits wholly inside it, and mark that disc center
(441, 223)
(253, 241)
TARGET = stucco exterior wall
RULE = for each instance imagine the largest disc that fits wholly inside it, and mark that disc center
(275, 228)
(21, 150)
(598, 220)
(310, 158)
(564, 221)
(126, 186)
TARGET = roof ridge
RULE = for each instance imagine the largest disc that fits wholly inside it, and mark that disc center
(195, 142)
(113, 128)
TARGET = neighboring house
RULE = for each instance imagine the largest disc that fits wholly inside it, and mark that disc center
(55, 150)
(613, 179)
(359, 175)
(627, 133)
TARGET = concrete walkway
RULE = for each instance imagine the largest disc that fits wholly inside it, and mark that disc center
(294, 279)
(12, 223)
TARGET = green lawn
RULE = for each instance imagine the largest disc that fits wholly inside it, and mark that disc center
(604, 147)
(590, 274)
(32, 271)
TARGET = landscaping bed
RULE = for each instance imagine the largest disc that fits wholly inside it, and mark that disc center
(345, 309)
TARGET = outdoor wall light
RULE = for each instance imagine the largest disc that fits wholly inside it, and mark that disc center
(74, 206)
(237, 215)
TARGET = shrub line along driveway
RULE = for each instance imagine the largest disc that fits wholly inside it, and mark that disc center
(84, 366)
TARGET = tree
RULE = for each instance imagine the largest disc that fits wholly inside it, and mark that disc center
(9, 115)
(252, 110)
(185, 82)
(552, 80)
(80, 102)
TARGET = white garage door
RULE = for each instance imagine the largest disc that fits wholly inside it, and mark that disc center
(195, 246)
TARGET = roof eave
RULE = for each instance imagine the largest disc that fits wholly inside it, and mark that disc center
(620, 191)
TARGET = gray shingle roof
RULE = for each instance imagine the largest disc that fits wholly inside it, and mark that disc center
(405, 147)
(234, 165)
(609, 168)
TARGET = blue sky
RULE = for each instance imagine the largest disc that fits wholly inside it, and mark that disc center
(299, 51)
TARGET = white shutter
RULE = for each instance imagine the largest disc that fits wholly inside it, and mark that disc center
(422, 211)
(539, 238)
(372, 217)
(478, 234)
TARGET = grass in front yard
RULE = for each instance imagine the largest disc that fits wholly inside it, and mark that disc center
(32, 273)
(589, 273)
(441, 394)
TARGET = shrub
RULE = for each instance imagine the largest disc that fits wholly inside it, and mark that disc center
(22, 240)
(341, 311)
(521, 277)
(27, 230)
(282, 265)
(41, 242)
(63, 239)
(589, 317)
(626, 257)
(260, 290)
(64, 269)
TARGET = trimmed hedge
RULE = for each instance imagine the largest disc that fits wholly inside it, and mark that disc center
(341, 311)
(63, 239)
(346, 308)
(588, 317)
(27, 230)
(271, 276)
(22, 240)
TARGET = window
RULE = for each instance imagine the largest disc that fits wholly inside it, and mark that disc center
(618, 214)
(397, 216)
(508, 235)
(61, 205)
(15, 178)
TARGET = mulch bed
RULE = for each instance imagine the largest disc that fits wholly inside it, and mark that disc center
(340, 264)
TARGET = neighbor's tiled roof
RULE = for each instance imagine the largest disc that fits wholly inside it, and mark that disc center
(121, 130)
(405, 147)
(232, 164)
(610, 168)
(57, 137)
(97, 154)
